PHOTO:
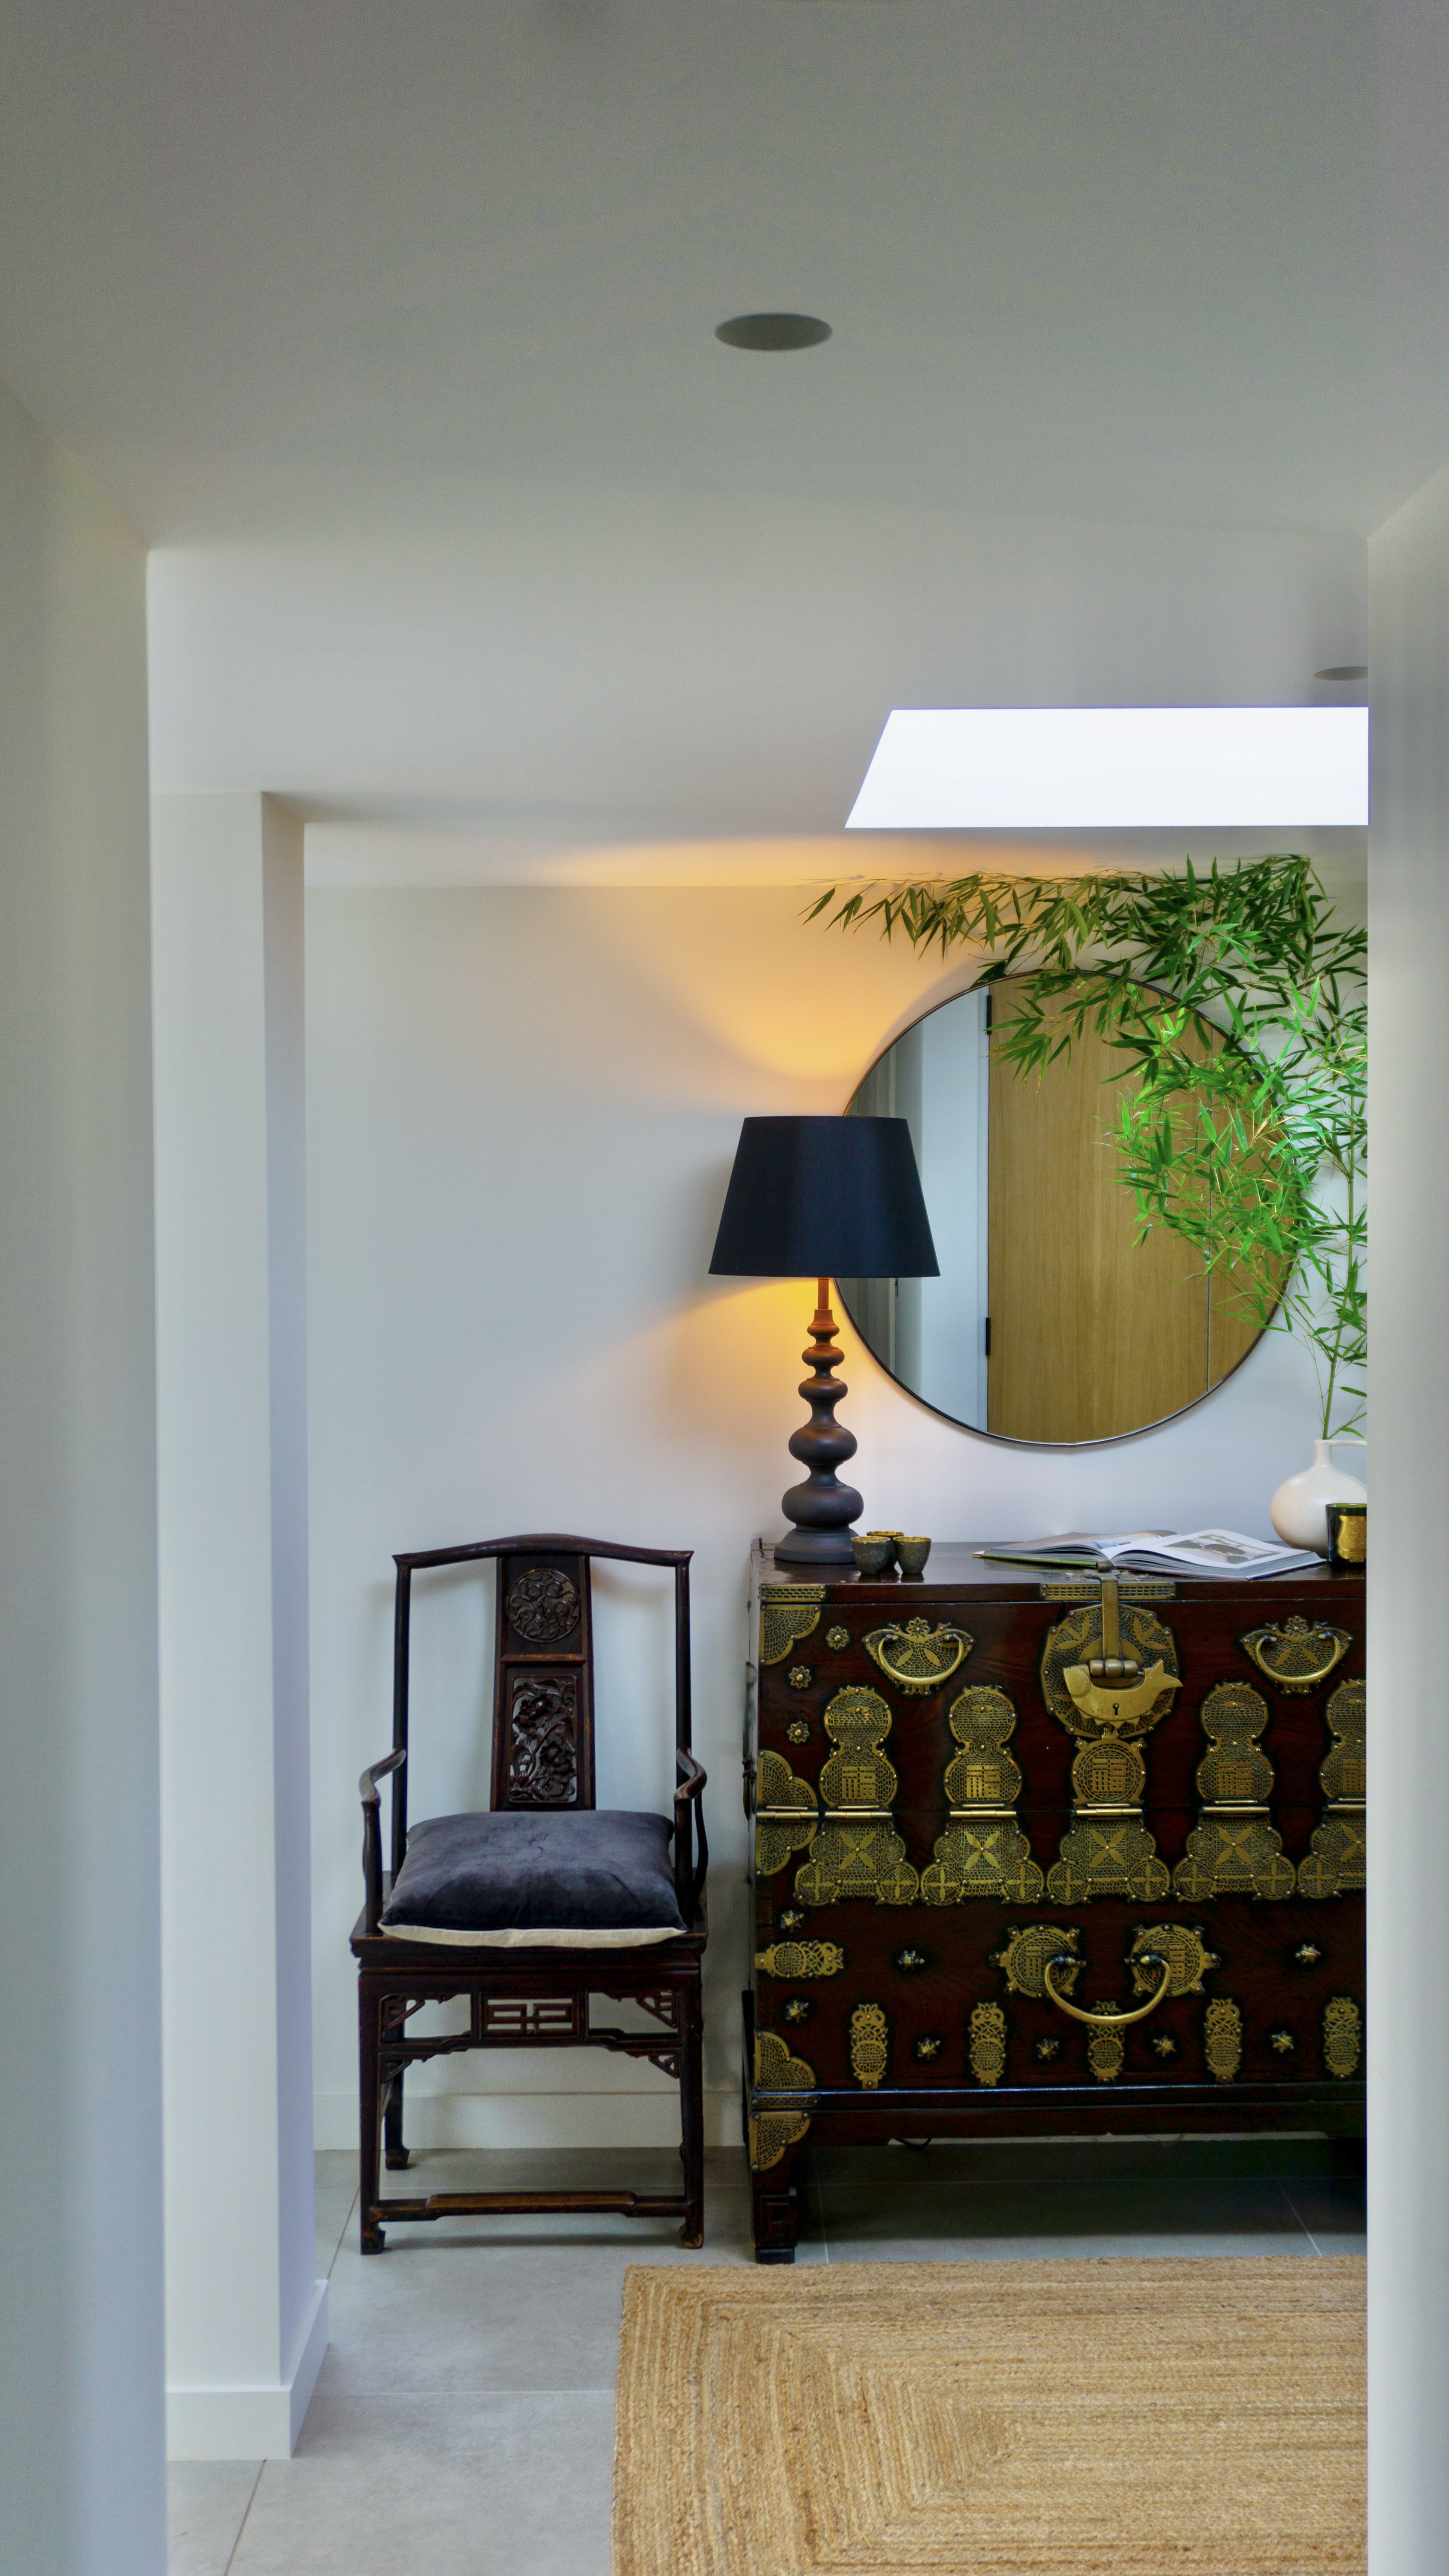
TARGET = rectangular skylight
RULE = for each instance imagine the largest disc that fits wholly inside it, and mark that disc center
(1007, 769)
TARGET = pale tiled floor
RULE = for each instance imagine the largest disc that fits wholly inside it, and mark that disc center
(463, 2419)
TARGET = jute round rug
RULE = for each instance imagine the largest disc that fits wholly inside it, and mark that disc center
(1147, 2418)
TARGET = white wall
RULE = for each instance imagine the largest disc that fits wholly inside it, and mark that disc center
(529, 669)
(523, 1104)
(246, 2319)
(80, 2306)
(1408, 2057)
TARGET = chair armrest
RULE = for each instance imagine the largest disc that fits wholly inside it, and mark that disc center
(688, 1808)
(372, 1832)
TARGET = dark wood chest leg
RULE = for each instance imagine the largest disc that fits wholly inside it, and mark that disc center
(776, 2214)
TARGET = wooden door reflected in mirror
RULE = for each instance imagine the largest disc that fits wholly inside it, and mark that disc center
(1052, 1320)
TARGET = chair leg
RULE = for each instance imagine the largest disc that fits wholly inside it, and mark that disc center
(395, 2155)
(691, 2112)
(371, 2021)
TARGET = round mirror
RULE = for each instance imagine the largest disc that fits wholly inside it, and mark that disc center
(1052, 1320)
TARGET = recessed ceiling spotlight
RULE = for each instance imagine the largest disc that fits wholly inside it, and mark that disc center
(773, 331)
(1343, 671)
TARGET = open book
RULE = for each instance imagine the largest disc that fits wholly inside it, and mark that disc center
(1224, 1555)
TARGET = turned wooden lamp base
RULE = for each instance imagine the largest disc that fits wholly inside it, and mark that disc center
(821, 1508)
(845, 1192)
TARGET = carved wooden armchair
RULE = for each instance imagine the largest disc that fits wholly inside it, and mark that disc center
(544, 1902)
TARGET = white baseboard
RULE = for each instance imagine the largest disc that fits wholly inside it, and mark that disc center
(537, 2120)
(259, 2423)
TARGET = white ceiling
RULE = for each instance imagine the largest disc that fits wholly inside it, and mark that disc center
(390, 327)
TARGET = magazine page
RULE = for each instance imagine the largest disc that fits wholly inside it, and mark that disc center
(1074, 1547)
(1224, 1555)
(1227, 1552)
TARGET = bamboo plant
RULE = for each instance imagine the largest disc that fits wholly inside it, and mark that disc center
(1237, 1002)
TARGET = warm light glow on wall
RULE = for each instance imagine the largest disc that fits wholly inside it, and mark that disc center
(1116, 768)
(797, 1012)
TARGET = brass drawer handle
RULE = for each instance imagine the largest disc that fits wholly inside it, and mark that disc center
(1106, 2018)
(917, 1657)
(1296, 1656)
(1111, 1689)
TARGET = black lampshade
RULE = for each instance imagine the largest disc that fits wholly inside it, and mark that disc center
(825, 1198)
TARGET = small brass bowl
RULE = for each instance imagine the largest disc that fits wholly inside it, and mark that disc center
(913, 1553)
(875, 1553)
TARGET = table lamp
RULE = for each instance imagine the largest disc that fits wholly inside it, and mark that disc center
(823, 1198)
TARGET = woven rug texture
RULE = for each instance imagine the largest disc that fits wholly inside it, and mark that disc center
(1087, 2418)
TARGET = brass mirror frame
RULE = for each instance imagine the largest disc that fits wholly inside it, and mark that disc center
(1012, 1439)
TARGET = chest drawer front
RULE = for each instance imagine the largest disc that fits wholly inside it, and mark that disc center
(1263, 1768)
(1007, 1641)
(1267, 1995)
(920, 1804)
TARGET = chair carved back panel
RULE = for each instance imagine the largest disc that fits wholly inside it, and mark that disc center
(543, 1674)
(543, 1699)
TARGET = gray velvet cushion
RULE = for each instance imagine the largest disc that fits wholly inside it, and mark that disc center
(595, 1877)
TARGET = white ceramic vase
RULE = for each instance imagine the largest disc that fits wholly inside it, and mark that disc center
(1297, 1511)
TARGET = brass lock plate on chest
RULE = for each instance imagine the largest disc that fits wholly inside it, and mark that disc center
(1109, 1668)
(1108, 1675)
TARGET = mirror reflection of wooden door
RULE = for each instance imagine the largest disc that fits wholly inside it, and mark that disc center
(1093, 1332)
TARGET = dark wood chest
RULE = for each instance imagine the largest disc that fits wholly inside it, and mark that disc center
(1050, 1857)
